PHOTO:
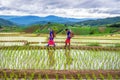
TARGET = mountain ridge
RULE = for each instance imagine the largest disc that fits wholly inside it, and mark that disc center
(100, 22)
(4, 22)
(27, 20)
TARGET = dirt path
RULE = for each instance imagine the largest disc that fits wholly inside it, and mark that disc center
(97, 48)
(53, 74)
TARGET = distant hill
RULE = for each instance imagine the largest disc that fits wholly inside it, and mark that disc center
(32, 20)
(6, 23)
(56, 19)
(100, 22)
(60, 29)
(44, 28)
(117, 25)
(7, 17)
(28, 20)
(25, 20)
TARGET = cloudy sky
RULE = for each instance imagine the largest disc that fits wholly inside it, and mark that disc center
(64, 8)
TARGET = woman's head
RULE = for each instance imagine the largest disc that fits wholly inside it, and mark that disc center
(66, 29)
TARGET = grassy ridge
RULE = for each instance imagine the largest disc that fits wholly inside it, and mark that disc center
(60, 29)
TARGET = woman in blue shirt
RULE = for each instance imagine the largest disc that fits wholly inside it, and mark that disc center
(67, 41)
(51, 38)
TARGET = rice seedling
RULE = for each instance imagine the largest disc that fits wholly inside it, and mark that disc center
(44, 58)
(59, 59)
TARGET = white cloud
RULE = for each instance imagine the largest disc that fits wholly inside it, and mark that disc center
(12, 12)
(65, 8)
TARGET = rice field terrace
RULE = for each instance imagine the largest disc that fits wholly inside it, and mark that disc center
(90, 57)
